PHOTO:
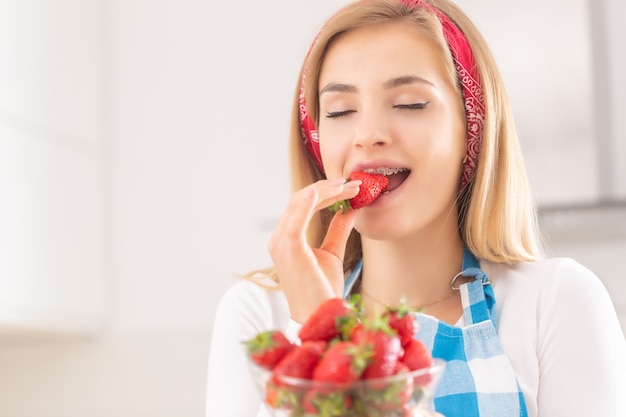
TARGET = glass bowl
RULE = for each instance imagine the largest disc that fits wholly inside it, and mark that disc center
(401, 395)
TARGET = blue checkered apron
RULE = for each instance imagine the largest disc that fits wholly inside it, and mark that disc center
(479, 380)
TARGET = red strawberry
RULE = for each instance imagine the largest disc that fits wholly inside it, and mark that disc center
(268, 347)
(300, 361)
(405, 384)
(279, 397)
(386, 345)
(343, 363)
(356, 333)
(416, 356)
(393, 397)
(403, 322)
(271, 394)
(333, 318)
(373, 185)
(321, 402)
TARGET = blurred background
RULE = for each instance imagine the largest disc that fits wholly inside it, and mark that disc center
(143, 165)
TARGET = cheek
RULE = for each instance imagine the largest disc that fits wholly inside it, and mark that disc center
(328, 159)
(333, 153)
(448, 141)
(441, 154)
(450, 148)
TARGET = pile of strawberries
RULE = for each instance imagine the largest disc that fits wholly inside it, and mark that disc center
(343, 355)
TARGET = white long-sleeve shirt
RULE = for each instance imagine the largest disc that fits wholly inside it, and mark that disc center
(556, 322)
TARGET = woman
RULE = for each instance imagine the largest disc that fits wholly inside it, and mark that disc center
(409, 88)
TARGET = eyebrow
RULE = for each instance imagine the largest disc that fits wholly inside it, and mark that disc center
(338, 88)
(404, 80)
(390, 83)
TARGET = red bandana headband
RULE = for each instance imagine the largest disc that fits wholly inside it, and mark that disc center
(472, 94)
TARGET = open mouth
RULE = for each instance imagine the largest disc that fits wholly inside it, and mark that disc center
(396, 176)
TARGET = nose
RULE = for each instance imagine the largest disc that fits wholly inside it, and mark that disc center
(370, 131)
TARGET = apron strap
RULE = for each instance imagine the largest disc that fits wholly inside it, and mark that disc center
(352, 278)
(480, 289)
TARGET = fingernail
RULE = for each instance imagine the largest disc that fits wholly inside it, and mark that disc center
(336, 182)
(353, 184)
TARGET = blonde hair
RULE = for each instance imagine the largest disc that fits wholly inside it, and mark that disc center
(496, 210)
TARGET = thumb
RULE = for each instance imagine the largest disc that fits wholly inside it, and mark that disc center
(338, 233)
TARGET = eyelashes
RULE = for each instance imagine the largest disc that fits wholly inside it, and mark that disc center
(410, 106)
(337, 114)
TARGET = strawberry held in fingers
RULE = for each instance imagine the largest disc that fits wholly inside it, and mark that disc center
(372, 186)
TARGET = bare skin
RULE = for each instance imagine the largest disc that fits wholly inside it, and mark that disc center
(386, 101)
(318, 270)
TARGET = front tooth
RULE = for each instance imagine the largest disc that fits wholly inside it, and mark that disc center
(385, 171)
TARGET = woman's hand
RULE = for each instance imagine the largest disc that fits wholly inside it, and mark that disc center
(309, 275)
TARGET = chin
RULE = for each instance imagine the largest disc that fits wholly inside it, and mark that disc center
(377, 229)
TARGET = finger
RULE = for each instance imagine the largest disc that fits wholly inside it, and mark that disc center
(293, 224)
(297, 215)
(331, 191)
(338, 233)
(305, 202)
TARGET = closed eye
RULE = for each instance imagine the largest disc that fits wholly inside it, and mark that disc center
(412, 106)
(336, 114)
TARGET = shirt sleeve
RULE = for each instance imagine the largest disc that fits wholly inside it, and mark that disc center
(581, 348)
(243, 311)
(293, 327)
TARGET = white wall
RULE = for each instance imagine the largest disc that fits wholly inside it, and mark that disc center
(186, 115)
(615, 15)
(548, 69)
(193, 110)
(52, 167)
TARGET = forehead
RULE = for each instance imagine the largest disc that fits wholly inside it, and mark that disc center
(384, 50)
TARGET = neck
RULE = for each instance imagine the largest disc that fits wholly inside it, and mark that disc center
(419, 270)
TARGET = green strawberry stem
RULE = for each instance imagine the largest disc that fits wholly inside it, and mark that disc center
(343, 205)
